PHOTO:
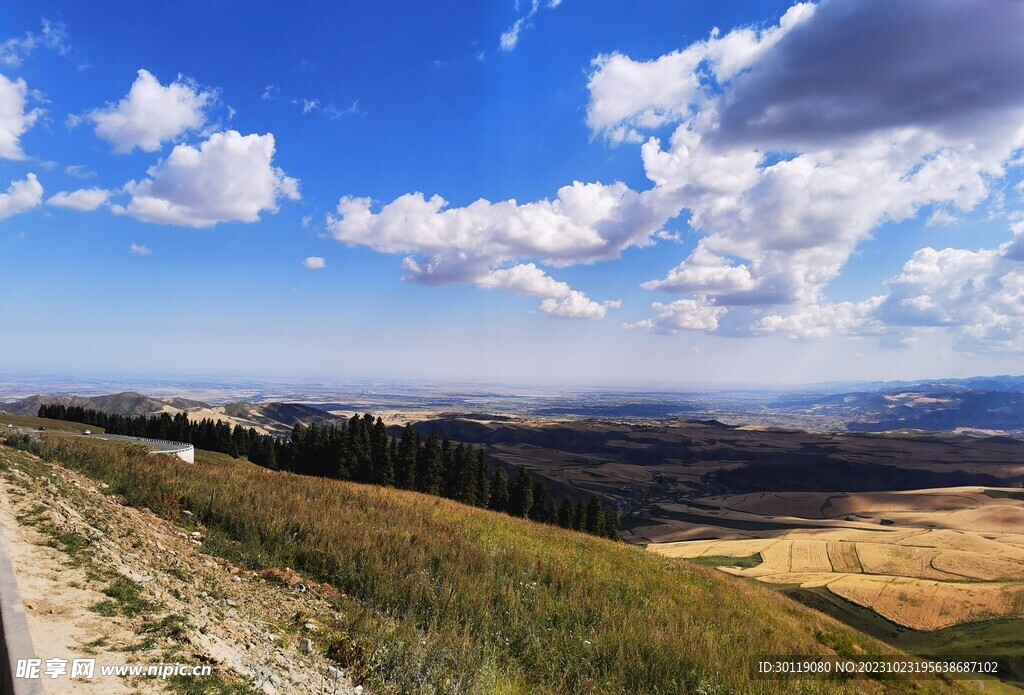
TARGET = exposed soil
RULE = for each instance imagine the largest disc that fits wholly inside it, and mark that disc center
(70, 542)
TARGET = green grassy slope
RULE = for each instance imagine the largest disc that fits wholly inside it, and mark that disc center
(439, 597)
(37, 422)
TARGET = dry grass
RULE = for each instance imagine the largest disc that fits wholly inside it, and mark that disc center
(439, 597)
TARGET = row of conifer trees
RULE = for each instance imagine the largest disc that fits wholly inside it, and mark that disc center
(361, 450)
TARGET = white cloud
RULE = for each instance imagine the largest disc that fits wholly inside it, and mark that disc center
(510, 37)
(314, 263)
(21, 196)
(13, 51)
(577, 306)
(151, 114)
(334, 113)
(559, 300)
(977, 296)
(705, 272)
(682, 315)
(14, 119)
(474, 244)
(84, 199)
(627, 96)
(270, 92)
(584, 223)
(819, 322)
(53, 36)
(79, 171)
(137, 250)
(794, 143)
(227, 178)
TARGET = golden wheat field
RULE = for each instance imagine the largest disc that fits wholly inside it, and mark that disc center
(942, 557)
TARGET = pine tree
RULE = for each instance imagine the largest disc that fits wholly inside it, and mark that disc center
(449, 484)
(431, 467)
(565, 514)
(595, 516)
(381, 468)
(520, 495)
(499, 491)
(579, 517)
(405, 464)
(483, 487)
(541, 503)
(611, 525)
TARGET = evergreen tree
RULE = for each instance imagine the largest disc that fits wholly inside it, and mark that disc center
(579, 517)
(520, 495)
(405, 463)
(483, 487)
(541, 504)
(565, 514)
(611, 525)
(382, 471)
(595, 516)
(449, 476)
(431, 467)
(499, 491)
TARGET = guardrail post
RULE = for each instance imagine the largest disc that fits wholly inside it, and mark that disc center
(17, 643)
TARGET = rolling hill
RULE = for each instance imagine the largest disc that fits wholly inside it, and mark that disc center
(266, 418)
(434, 596)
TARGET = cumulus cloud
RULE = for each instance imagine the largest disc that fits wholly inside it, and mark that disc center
(474, 244)
(83, 200)
(138, 250)
(577, 305)
(227, 178)
(314, 263)
(794, 143)
(14, 118)
(21, 196)
(817, 322)
(790, 145)
(559, 300)
(976, 295)
(682, 315)
(705, 272)
(628, 96)
(152, 114)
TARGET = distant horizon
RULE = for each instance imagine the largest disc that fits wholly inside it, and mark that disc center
(180, 381)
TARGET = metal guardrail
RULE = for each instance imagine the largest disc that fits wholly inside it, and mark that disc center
(17, 643)
(182, 450)
(163, 442)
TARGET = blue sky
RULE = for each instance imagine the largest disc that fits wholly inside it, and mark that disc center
(902, 262)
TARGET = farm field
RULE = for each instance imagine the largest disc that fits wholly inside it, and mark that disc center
(920, 578)
(934, 559)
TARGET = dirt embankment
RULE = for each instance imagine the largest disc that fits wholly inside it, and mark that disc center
(104, 581)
